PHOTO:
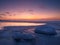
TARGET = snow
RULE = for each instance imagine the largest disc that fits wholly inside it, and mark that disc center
(44, 35)
(45, 29)
(28, 36)
(17, 35)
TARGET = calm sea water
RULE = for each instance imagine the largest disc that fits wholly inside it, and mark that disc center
(3, 24)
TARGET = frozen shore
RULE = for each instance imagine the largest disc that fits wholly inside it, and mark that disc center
(42, 35)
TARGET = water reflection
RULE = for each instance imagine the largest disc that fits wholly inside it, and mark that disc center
(2, 24)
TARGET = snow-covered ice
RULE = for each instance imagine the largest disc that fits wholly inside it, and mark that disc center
(45, 29)
(44, 35)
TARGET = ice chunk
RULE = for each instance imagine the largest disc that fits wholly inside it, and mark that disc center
(45, 29)
(17, 35)
(28, 36)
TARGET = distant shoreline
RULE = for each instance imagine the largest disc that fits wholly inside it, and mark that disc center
(28, 21)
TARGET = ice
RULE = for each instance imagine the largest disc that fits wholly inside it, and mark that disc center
(28, 36)
(44, 35)
(17, 35)
(45, 29)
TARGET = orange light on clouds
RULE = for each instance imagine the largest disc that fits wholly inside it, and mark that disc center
(29, 16)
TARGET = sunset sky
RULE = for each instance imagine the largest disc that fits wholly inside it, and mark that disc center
(29, 10)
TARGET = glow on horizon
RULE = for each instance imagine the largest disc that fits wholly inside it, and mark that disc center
(35, 16)
(29, 10)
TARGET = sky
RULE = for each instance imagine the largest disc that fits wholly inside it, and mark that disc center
(29, 10)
